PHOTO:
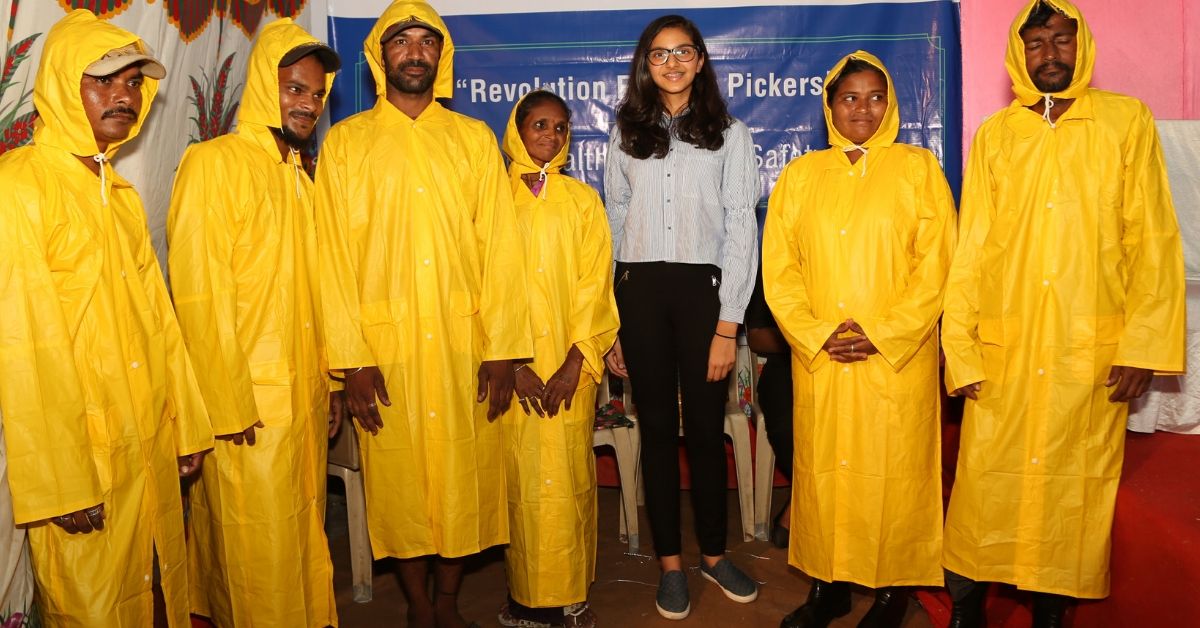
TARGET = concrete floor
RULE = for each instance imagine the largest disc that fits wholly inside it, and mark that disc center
(623, 594)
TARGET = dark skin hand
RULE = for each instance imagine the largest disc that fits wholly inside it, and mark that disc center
(362, 388)
(856, 348)
(970, 391)
(530, 388)
(244, 436)
(190, 464)
(766, 340)
(496, 382)
(337, 411)
(81, 521)
(561, 386)
(1131, 382)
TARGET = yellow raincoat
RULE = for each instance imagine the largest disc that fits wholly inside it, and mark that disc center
(870, 241)
(243, 265)
(423, 274)
(98, 393)
(549, 462)
(1069, 263)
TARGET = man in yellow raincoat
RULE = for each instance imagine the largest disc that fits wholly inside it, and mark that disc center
(856, 250)
(97, 391)
(1066, 295)
(425, 307)
(548, 458)
(243, 264)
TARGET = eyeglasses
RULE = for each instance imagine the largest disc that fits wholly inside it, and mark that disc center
(683, 54)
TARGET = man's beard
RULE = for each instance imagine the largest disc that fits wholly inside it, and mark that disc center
(405, 85)
(1058, 85)
(290, 138)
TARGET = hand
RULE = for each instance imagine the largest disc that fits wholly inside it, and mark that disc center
(856, 348)
(529, 389)
(496, 381)
(362, 387)
(337, 411)
(615, 360)
(970, 391)
(1131, 382)
(190, 464)
(721, 354)
(81, 521)
(561, 386)
(244, 436)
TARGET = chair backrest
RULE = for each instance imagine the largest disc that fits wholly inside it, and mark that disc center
(343, 448)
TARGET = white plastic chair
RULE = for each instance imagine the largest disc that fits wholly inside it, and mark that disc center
(344, 463)
(627, 444)
(764, 461)
(737, 428)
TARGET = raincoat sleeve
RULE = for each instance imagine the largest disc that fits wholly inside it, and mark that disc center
(340, 300)
(912, 317)
(960, 320)
(185, 404)
(783, 278)
(594, 320)
(201, 230)
(740, 190)
(50, 467)
(1153, 336)
(616, 191)
(503, 299)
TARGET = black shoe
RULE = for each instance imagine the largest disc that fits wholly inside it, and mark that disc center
(968, 612)
(1048, 610)
(888, 609)
(826, 601)
(779, 532)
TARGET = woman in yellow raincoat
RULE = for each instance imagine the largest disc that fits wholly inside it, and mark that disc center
(97, 392)
(1066, 295)
(243, 263)
(548, 459)
(856, 249)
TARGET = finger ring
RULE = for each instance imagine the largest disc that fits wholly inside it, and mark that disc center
(371, 405)
(92, 512)
(852, 347)
(63, 518)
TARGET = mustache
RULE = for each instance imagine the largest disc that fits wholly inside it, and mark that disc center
(1054, 65)
(415, 63)
(119, 111)
(303, 114)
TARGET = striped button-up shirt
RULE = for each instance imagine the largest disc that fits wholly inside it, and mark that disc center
(693, 206)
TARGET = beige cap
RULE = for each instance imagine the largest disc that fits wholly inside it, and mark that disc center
(120, 58)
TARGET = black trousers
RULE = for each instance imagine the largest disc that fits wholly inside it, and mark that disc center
(775, 399)
(669, 314)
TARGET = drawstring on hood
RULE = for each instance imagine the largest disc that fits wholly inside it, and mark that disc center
(520, 163)
(889, 127)
(1014, 61)
(72, 44)
(294, 160)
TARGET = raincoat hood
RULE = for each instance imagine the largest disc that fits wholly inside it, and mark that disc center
(397, 13)
(71, 45)
(260, 100)
(1085, 56)
(888, 129)
(519, 160)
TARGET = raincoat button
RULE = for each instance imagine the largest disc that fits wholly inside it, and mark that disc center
(429, 336)
(547, 482)
(1041, 371)
(840, 304)
(1049, 205)
(843, 232)
(134, 364)
(122, 273)
(426, 262)
(1034, 461)
(308, 325)
(421, 190)
(1045, 282)
(845, 369)
(432, 414)
(539, 270)
(146, 577)
(851, 173)
(845, 463)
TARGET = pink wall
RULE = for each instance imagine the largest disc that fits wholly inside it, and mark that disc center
(1148, 49)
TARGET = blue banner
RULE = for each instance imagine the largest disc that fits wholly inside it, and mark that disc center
(770, 62)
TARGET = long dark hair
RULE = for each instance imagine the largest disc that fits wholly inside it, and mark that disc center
(639, 117)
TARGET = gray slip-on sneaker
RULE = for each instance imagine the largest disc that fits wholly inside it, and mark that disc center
(736, 585)
(672, 600)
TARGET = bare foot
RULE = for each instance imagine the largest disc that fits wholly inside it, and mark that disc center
(422, 618)
(448, 617)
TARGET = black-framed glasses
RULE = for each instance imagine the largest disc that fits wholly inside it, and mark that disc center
(683, 54)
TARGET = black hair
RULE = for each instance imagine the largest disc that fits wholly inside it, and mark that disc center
(640, 114)
(1039, 15)
(536, 98)
(853, 66)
